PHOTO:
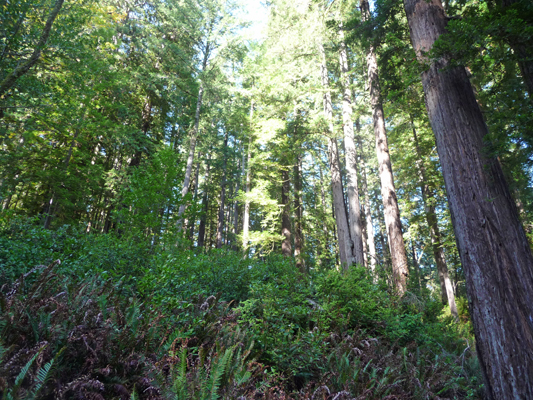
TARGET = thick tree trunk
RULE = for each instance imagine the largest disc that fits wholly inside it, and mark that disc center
(447, 295)
(494, 250)
(343, 231)
(220, 223)
(286, 247)
(298, 217)
(388, 191)
(356, 231)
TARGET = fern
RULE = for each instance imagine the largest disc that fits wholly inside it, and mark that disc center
(217, 372)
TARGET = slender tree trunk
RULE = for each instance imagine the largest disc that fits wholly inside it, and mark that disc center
(447, 295)
(388, 191)
(356, 231)
(343, 231)
(195, 186)
(220, 223)
(246, 216)
(298, 216)
(23, 67)
(494, 250)
(192, 144)
(368, 216)
(286, 246)
(324, 211)
(205, 207)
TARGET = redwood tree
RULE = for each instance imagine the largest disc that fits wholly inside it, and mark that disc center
(492, 244)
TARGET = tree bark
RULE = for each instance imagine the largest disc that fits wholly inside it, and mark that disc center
(220, 223)
(447, 295)
(356, 231)
(388, 191)
(205, 207)
(298, 216)
(493, 247)
(368, 216)
(343, 231)
(246, 216)
(192, 144)
(22, 68)
(286, 247)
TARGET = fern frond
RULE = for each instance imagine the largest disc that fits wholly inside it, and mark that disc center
(217, 372)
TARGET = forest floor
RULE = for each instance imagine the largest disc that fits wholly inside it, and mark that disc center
(119, 318)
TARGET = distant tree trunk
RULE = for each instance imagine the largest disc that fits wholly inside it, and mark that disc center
(494, 250)
(246, 216)
(343, 231)
(192, 144)
(368, 215)
(298, 216)
(195, 186)
(23, 67)
(356, 231)
(324, 211)
(388, 191)
(205, 207)
(220, 223)
(286, 247)
(447, 295)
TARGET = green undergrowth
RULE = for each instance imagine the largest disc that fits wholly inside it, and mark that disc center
(121, 319)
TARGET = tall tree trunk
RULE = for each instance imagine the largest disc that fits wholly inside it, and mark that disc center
(286, 246)
(195, 186)
(298, 216)
(494, 250)
(356, 231)
(220, 223)
(343, 231)
(368, 215)
(447, 295)
(388, 191)
(205, 207)
(246, 216)
(324, 211)
(192, 144)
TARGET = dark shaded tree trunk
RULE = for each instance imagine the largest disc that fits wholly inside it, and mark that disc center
(286, 247)
(193, 138)
(246, 215)
(493, 247)
(205, 208)
(388, 191)
(298, 216)
(220, 222)
(447, 295)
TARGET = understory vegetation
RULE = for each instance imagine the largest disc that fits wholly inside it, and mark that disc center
(107, 317)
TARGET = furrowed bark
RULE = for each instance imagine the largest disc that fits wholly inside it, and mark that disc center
(493, 247)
